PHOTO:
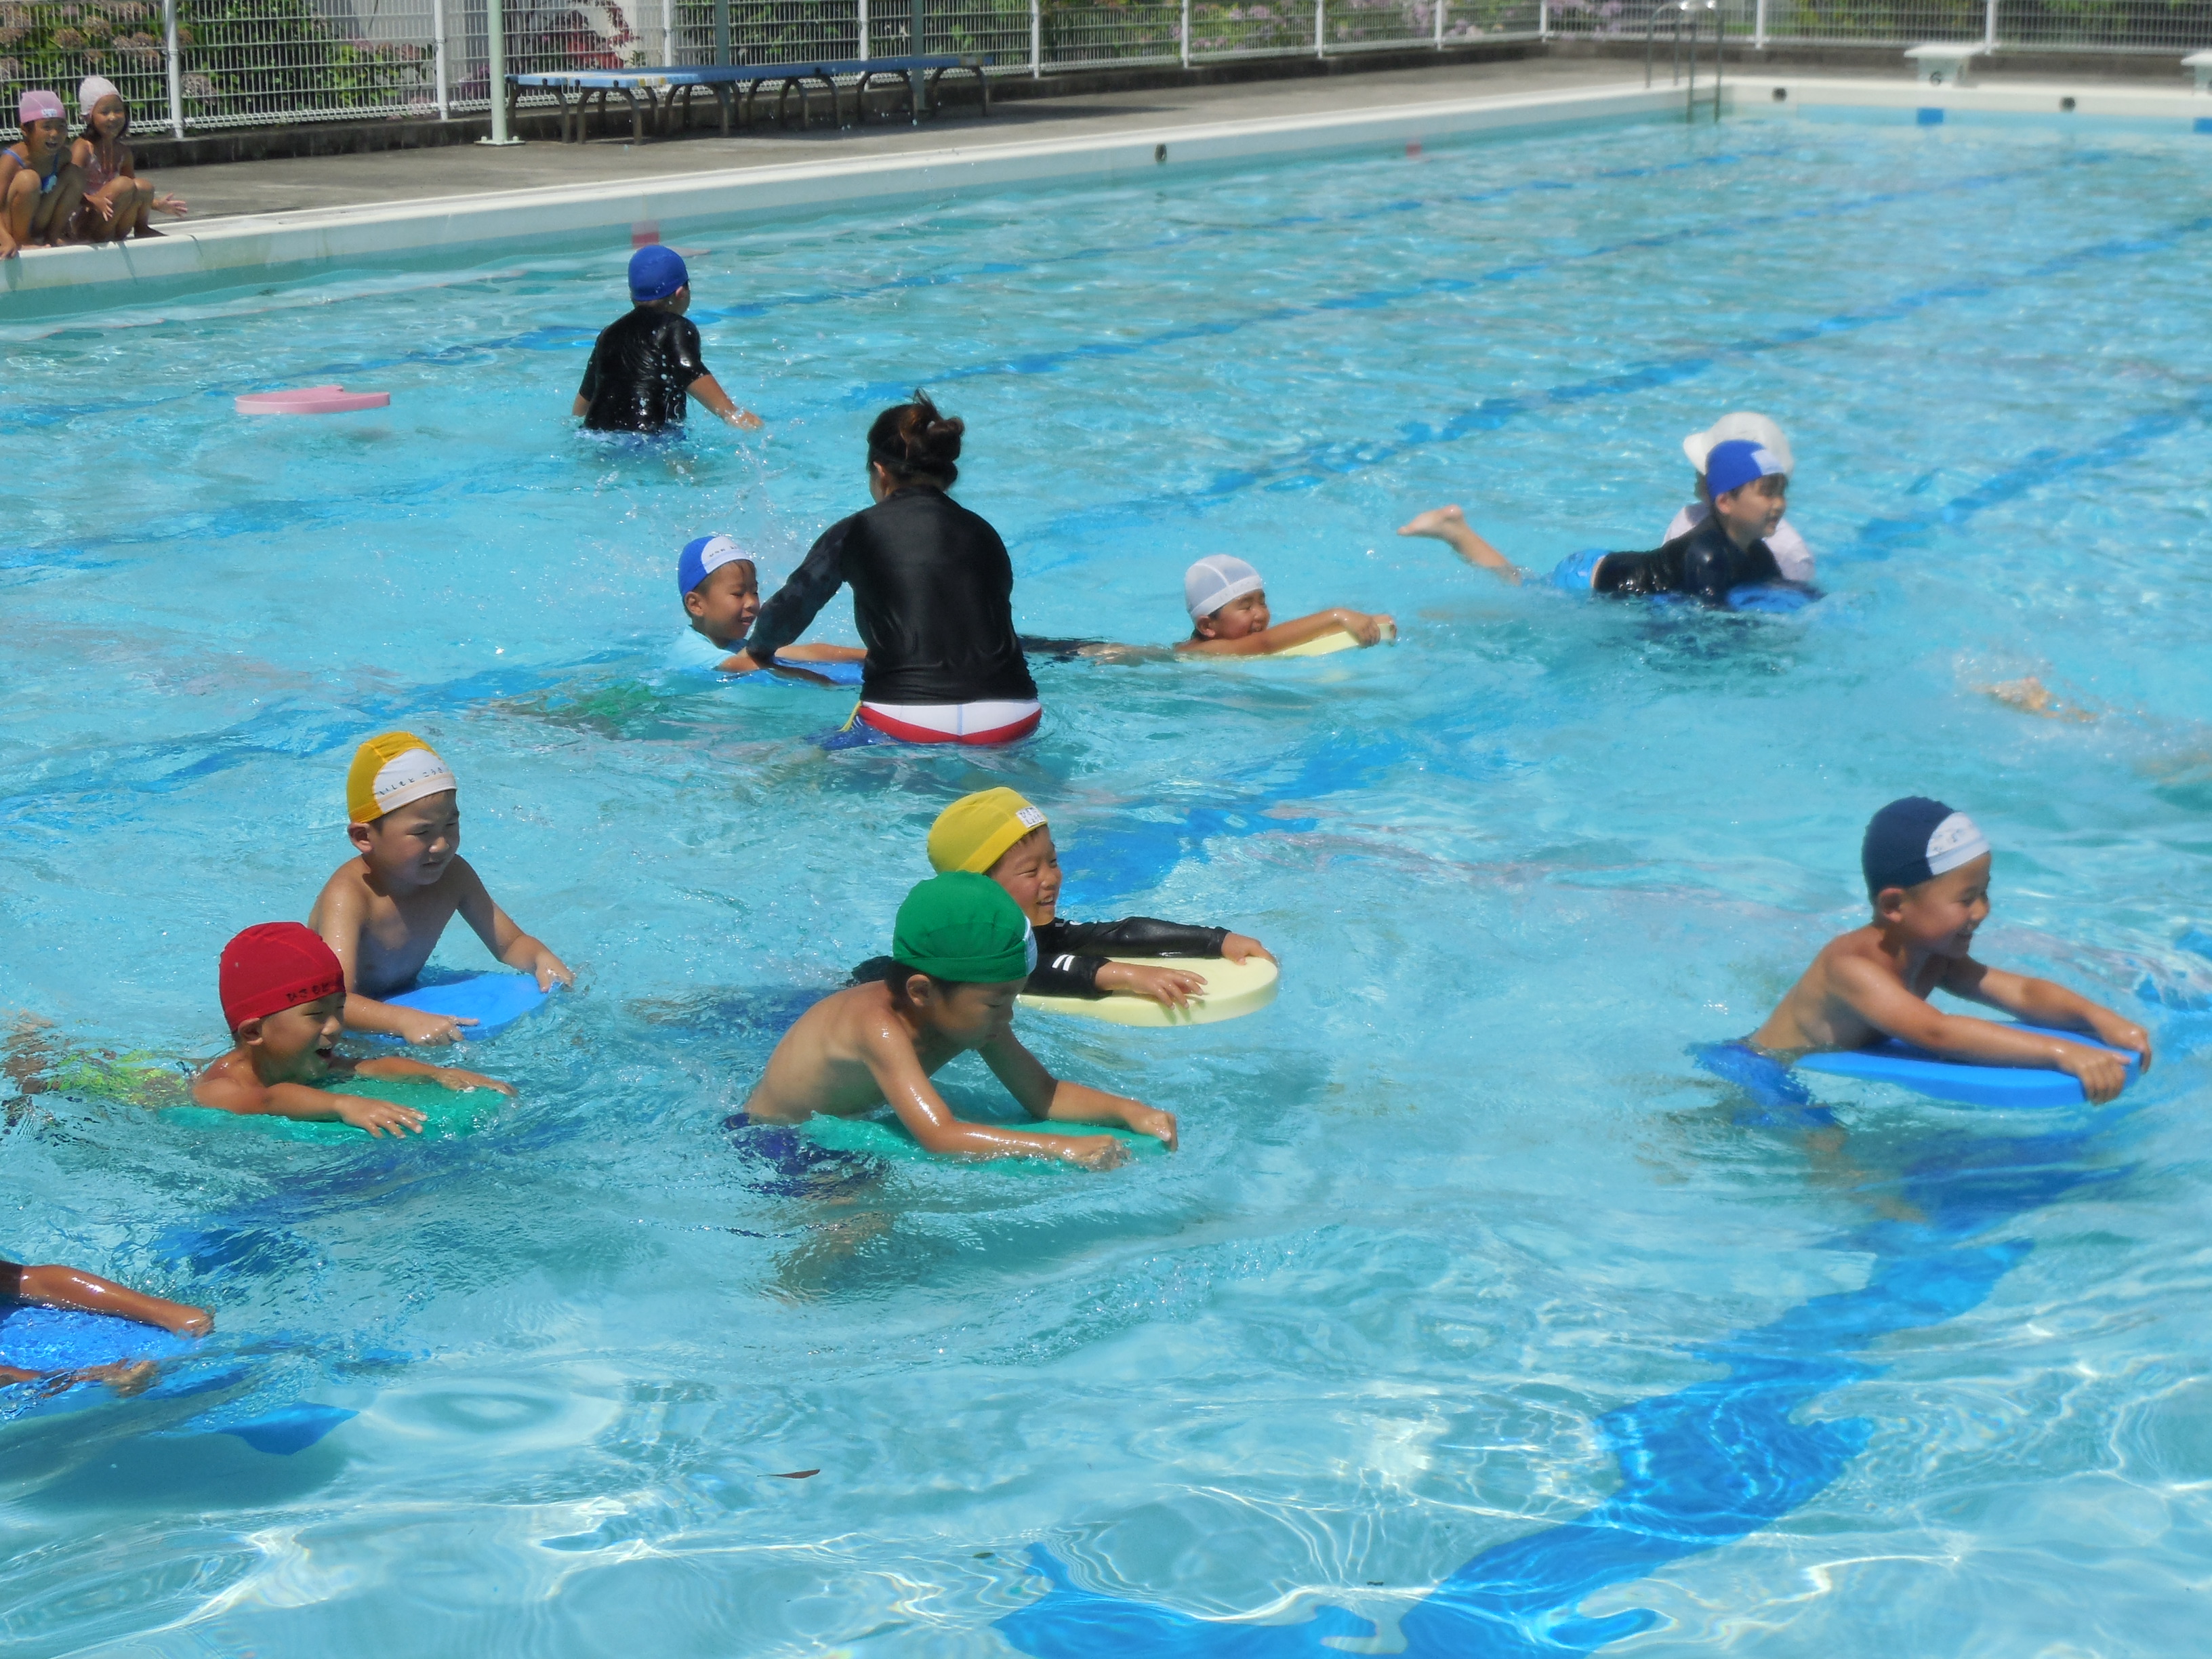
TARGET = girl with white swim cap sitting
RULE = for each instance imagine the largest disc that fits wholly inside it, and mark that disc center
(932, 597)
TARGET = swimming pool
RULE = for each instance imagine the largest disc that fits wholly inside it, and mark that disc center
(1470, 1317)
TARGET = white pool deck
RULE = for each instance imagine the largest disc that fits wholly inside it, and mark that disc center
(656, 190)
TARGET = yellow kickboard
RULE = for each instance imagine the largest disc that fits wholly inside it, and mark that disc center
(1232, 990)
(1335, 639)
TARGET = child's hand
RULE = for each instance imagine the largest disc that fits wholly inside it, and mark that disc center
(1171, 987)
(173, 205)
(1368, 630)
(197, 1321)
(452, 1076)
(1150, 1121)
(2122, 1034)
(1237, 947)
(2101, 1075)
(428, 1030)
(549, 967)
(745, 421)
(1095, 1153)
(379, 1117)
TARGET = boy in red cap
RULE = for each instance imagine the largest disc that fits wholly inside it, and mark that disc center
(283, 995)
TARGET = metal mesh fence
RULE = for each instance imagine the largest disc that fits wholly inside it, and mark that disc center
(263, 62)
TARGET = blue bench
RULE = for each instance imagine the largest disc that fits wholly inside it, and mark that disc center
(662, 87)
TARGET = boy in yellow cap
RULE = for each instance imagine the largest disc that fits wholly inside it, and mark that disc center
(998, 834)
(383, 911)
(960, 954)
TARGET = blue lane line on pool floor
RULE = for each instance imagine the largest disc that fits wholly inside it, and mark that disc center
(1700, 1467)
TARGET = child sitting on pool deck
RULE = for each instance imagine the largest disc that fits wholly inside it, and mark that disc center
(1228, 606)
(721, 586)
(39, 185)
(998, 834)
(1927, 870)
(283, 997)
(1748, 485)
(383, 913)
(961, 952)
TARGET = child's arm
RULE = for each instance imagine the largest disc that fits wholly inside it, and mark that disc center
(339, 916)
(71, 1287)
(708, 391)
(1367, 629)
(506, 941)
(1054, 1100)
(898, 1074)
(1882, 999)
(821, 653)
(2040, 1002)
(223, 1091)
(448, 1077)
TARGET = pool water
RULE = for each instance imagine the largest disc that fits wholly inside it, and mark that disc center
(1470, 1317)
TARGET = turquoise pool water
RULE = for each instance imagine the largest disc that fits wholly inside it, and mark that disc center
(1470, 1318)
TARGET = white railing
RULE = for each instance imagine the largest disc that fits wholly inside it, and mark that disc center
(198, 65)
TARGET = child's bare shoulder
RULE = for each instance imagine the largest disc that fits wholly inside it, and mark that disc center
(227, 1083)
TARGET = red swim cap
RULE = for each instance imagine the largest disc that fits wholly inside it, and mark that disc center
(273, 966)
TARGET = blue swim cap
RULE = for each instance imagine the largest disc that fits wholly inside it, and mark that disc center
(1738, 462)
(701, 557)
(656, 272)
(1917, 840)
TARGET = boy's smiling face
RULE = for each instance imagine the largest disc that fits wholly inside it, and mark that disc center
(1243, 614)
(293, 1045)
(1029, 871)
(1940, 915)
(413, 846)
(723, 606)
(1756, 509)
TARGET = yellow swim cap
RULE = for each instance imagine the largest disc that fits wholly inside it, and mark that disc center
(392, 770)
(973, 832)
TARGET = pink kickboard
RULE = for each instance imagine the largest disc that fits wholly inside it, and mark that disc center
(310, 400)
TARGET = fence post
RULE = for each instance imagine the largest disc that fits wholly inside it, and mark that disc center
(721, 31)
(864, 30)
(668, 31)
(1185, 33)
(1321, 26)
(176, 73)
(438, 58)
(1990, 26)
(1759, 29)
(496, 34)
(1543, 19)
(1037, 39)
(1437, 7)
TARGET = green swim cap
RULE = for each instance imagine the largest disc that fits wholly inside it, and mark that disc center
(963, 927)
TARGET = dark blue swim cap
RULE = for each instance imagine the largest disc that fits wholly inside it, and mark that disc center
(1738, 462)
(656, 272)
(1917, 840)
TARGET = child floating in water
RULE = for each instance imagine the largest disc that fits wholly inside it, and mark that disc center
(283, 995)
(1749, 486)
(1928, 872)
(961, 952)
(1228, 606)
(55, 1286)
(721, 586)
(383, 913)
(998, 834)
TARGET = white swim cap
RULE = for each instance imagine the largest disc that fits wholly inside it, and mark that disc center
(1216, 579)
(1753, 428)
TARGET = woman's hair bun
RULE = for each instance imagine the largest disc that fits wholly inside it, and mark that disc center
(917, 440)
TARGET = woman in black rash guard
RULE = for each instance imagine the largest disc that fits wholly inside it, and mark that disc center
(933, 595)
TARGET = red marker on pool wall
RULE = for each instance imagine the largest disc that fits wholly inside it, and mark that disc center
(1413, 151)
(644, 234)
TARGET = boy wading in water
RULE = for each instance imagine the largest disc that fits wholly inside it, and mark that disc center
(961, 951)
(1928, 872)
(646, 364)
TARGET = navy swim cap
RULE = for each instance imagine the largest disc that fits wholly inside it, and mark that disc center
(1917, 840)
(1738, 462)
(656, 272)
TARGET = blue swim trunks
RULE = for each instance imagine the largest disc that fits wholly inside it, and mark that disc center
(1768, 1082)
(793, 1164)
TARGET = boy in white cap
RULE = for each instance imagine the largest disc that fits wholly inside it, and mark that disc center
(117, 203)
(40, 187)
(383, 913)
(1228, 615)
(1791, 556)
(1927, 871)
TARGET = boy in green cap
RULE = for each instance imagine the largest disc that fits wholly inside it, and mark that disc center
(961, 952)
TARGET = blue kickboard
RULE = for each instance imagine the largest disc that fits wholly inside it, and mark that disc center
(837, 673)
(1924, 1073)
(495, 1001)
(39, 1339)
